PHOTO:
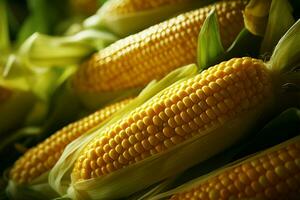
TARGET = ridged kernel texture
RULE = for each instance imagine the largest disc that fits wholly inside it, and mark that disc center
(176, 114)
(119, 7)
(4, 94)
(275, 175)
(137, 59)
(43, 157)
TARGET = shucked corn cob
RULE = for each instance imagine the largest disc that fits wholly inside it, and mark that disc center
(183, 111)
(274, 174)
(136, 60)
(42, 158)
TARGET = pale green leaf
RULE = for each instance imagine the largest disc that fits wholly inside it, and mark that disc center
(210, 48)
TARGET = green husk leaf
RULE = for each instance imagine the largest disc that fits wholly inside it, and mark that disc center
(256, 16)
(39, 189)
(126, 24)
(151, 191)
(37, 21)
(4, 33)
(44, 50)
(278, 24)
(59, 177)
(286, 53)
(210, 49)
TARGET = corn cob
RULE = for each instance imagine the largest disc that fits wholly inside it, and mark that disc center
(179, 113)
(42, 158)
(136, 60)
(5, 93)
(132, 6)
(274, 174)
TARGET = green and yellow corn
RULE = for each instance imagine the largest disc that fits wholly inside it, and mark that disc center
(273, 174)
(43, 157)
(134, 61)
(181, 112)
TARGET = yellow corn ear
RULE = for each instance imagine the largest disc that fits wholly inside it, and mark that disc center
(134, 61)
(177, 114)
(43, 157)
(274, 174)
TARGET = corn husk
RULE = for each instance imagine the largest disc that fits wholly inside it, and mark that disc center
(277, 24)
(47, 51)
(126, 24)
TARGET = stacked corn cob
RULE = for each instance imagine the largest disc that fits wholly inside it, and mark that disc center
(273, 174)
(42, 158)
(134, 61)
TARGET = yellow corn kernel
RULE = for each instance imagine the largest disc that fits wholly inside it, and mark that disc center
(178, 113)
(270, 175)
(43, 157)
(137, 59)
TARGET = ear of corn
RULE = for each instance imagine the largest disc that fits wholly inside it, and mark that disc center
(59, 177)
(185, 118)
(35, 164)
(125, 17)
(272, 174)
(134, 61)
(42, 158)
